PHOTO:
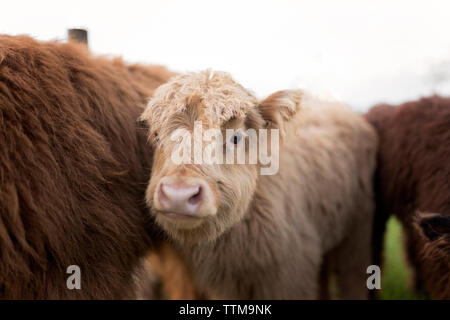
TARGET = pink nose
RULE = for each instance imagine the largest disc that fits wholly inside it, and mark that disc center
(180, 199)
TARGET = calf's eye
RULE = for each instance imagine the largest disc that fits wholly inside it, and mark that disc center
(236, 137)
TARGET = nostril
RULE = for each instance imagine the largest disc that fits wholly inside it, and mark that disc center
(197, 197)
(162, 195)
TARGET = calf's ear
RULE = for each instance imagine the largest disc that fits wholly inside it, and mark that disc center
(434, 225)
(280, 107)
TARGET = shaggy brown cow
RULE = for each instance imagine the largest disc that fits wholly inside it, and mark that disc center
(413, 175)
(247, 235)
(72, 168)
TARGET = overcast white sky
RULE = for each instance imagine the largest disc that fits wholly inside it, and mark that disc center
(362, 52)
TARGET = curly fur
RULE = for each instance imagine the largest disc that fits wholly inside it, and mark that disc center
(271, 235)
(72, 166)
(413, 175)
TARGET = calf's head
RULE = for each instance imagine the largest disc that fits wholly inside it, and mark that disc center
(205, 130)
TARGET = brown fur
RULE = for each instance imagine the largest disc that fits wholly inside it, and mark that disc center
(72, 168)
(413, 175)
(175, 280)
(268, 236)
(435, 254)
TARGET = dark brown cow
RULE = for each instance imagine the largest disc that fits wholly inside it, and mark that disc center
(72, 170)
(413, 176)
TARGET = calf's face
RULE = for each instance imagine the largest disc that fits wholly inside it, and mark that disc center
(197, 190)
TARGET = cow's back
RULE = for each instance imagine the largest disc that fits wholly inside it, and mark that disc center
(335, 149)
(414, 155)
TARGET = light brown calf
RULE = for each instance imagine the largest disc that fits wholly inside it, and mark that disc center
(250, 236)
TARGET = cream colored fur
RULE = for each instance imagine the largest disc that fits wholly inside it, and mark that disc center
(273, 235)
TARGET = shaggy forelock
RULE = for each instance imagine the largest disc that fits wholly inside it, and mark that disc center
(216, 97)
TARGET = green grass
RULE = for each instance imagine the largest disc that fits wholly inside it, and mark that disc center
(395, 273)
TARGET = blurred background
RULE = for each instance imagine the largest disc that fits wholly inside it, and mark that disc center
(361, 52)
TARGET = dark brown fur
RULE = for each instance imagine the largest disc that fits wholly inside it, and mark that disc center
(413, 175)
(73, 170)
